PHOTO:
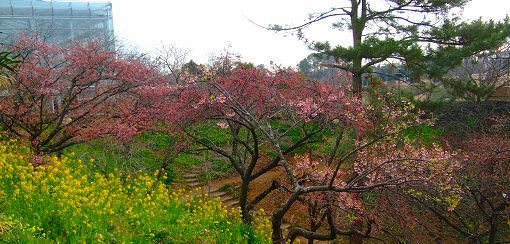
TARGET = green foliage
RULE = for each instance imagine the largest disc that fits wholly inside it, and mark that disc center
(346, 144)
(185, 160)
(230, 189)
(293, 134)
(461, 117)
(212, 133)
(170, 176)
(460, 40)
(108, 155)
(402, 37)
(156, 139)
(424, 133)
(9, 60)
(432, 106)
(146, 153)
(217, 169)
(8, 63)
(372, 47)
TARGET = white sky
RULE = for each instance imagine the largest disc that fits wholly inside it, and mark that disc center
(209, 26)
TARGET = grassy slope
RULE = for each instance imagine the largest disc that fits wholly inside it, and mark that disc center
(65, 200)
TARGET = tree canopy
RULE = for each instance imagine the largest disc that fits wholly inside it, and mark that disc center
(426, 35)
(60, 96)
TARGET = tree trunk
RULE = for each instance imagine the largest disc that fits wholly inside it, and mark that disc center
(356, 239)
(243, 199)
(493, 231)
(357, 82)
(357, 88)
(312, 213)
(166, 159)
(276, 225)
(358, 23)
(313, 227)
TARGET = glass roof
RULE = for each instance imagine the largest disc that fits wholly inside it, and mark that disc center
(59, 20)
(61, 8)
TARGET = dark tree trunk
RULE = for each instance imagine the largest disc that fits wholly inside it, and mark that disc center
(167, 159)
(276, 225)
(357, 82)
(356, 239)
(493, 231)
(358, 25)
(313, 227)
(243, 199)
(312, 212)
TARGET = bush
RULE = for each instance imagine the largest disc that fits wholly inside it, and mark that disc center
(62, 200)
(110, 155)
(468, 117)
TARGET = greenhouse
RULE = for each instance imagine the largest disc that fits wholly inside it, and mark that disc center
(56, 21)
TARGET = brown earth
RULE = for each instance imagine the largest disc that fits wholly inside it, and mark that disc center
(296, 216)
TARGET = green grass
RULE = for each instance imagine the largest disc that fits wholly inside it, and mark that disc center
(184, 161)
(424, 133)
(230, 189)
(212, 133)
(156, 140)
(145, 153)
(109, 155)
(217, 169)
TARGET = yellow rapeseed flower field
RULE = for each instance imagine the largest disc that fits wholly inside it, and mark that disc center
(65, 200)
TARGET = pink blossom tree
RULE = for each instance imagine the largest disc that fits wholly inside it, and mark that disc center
(225, 96)
(61, 96)
(278, 113)
(339, 191)
(481, 211)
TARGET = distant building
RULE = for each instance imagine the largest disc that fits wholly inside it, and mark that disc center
(55, 21)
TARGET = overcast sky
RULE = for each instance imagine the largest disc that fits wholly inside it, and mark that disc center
(207, 27)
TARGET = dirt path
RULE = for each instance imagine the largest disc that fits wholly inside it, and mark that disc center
(226, 189)
(208, 191)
